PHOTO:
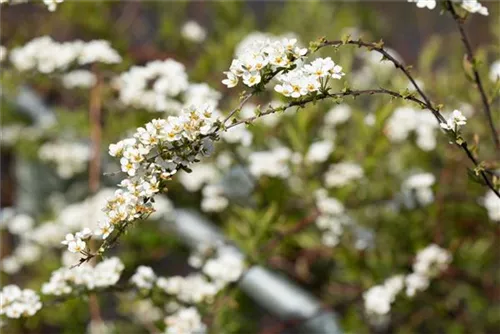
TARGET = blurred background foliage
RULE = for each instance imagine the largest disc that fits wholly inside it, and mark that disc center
(465, 300)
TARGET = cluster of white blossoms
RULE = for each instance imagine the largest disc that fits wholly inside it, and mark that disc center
(406, 120)
(429, 263)
(79, 79)
(220, 266)
(163, 86)
(270, 163)
(332, 218)
(319, 151)
(472, 6)
(309, 78)
(431, 4)
(420, 185)
(153, 86)
(454, 122)
(26, 252)
(70, 158)
(46, 55)
(342, 174)
(193, 31)
(261, 59)
(154, 153)
(16, 303)
(378, 299)
(64, 280)
(338, 114)
(3, 53)
(185, 320)
(494, 70)
(492, 203)
(214, 199)
(51, 4)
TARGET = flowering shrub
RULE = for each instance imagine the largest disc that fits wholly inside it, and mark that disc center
(372, 185)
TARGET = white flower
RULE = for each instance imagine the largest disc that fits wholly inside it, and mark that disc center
(251, 78)
(52, 4)
(193, 32)
(64, 280)
(144, 277)
(495, 71)
(430, 4)
(104, 230)
(416, 282)
(231, 80)
(20, 224)
(319, 151)
(454, 121)
(343, 173)
(70, 158)
(213, 199)
(431, 261)
(3, 53)
(338, 115)
(185, 320)
(76, 246)
(473, 6)
(492, 203)
(271, 163)
(16, 303)
(98, 51)
(79, 78)
(377, 300)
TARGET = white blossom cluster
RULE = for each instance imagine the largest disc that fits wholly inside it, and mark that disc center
(186, 320)
(154, 85)
(339, 114)
(16, 303)
(3, 53)
(309, 78)
(193, 31)
(378, 299)
(342, 174)
(45, 55)
(455, 121)
(420, 185)
(262, 58)
(494, 70)
(70, 158)
(64, 281)
(472, 6)
(163, 86)
(270, 163)
(206, 177)
(429, 263)
(222, 268)
(492, 203)
(155, 153)
(11, 133)
(26, 251)
(214, 199)
(332, 218)
(51, 4)
(319, 151)
(406, 120)
(79, 79)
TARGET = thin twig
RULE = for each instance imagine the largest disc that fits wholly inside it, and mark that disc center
(477, 79)
(378, 47)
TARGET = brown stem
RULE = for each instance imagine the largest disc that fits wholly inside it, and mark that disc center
(95, 136)
(477, 79)
(95, 169)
